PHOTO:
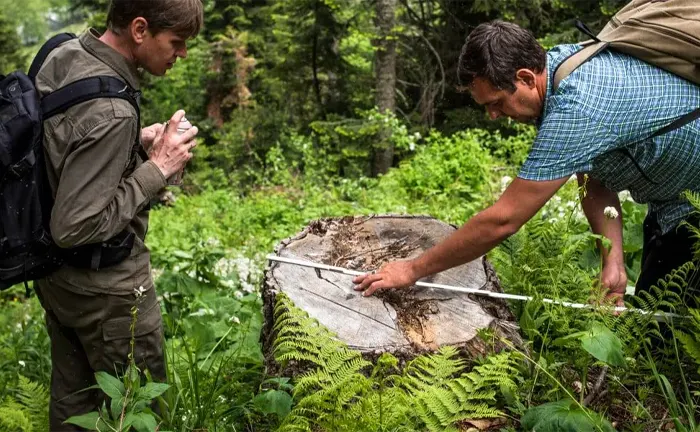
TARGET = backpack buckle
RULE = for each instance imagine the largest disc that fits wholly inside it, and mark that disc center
(21, 168)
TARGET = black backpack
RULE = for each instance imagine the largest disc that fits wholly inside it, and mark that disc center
(27, 251)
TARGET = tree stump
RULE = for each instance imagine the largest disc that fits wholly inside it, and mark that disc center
(405, 322)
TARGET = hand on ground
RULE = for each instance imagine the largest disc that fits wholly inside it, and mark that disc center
(614, 280)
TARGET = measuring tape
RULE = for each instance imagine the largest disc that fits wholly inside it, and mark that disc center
(659, 316)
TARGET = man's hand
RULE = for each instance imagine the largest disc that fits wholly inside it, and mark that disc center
(148, 135)
(613, 278)
(397, 274)
(171, 151)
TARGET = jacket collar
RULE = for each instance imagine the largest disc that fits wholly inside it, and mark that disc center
(127, 70)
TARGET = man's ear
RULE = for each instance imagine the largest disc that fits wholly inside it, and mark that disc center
(138, 29)
(527, 77)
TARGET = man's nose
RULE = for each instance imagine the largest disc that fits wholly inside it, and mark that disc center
(182, 53)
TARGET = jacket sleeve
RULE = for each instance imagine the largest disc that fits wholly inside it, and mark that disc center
(94, 202)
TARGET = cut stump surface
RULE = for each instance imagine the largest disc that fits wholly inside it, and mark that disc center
(403, 322)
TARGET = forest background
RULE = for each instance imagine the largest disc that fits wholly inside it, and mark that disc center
(317, 108)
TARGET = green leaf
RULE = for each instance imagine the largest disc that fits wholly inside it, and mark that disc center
(603, 344)
(86, 421)
(111, 386)
(116, 406)
(562, 341)
(128, 421)
(144, 423)
(563, 416)
(151, 391)
(274, 401)
(183, 255)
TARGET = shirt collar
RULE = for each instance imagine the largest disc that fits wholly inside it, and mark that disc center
(126, 69)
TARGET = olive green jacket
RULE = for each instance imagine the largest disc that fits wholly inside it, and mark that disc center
(100, 184)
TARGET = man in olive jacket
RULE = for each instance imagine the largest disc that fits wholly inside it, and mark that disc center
(102, 187)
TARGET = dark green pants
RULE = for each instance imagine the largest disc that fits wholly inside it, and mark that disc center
(90, 333)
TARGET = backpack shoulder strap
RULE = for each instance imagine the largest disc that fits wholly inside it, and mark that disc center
(45, 50)
(575, 60)
(86, 89)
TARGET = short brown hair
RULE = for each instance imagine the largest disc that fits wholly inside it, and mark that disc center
(496, 51)
(183, 17)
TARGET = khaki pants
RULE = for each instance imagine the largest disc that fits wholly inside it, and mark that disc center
(90, 333)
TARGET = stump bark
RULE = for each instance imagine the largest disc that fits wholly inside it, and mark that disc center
(406, 322)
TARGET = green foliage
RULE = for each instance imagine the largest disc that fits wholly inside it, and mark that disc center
(599, 342)
(14, 419)
(129, 400)
(28, 412)
(440, 397)
(689, 337)
(184, 87)
(564, 416)
(336, 394)
(24, 344)
(11, 56)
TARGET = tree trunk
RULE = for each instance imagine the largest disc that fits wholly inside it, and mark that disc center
(405, 323)
(385, 63)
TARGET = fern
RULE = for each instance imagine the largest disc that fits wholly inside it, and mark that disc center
(690, 337)
(440, 398)
(13, 418)
(29, 411)
(633, 328)
(336, 394)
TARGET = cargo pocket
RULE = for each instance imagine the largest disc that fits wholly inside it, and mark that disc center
(148, 336)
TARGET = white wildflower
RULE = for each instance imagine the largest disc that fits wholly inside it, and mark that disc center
(412, 146)
(571, 204)
(202, 312)
(228, 283)
(156, 273)
(235, 319)
(22, 363)
(417, 135)
(610, 212)
(625, 195)
(238, 294)
(247, 287)
(19, 326)
(213, 242)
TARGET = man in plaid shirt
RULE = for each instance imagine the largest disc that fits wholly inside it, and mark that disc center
(597, 122)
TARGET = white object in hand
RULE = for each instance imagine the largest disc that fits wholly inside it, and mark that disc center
(182, 127)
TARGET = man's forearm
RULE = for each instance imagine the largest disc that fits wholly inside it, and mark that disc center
(475, 238)
(597, 198)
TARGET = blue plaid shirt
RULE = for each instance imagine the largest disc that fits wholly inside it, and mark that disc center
(612, 102)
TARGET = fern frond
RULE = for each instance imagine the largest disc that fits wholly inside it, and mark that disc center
(14, 418)
(689, 337)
